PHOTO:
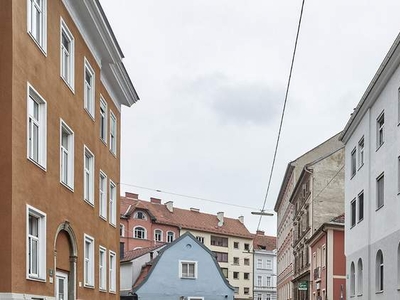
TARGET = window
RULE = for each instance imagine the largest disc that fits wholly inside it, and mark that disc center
(102, 268)
(37, 25)
(398, 175)
(67, 55)
(236, 289)
(121, 230)
(113, 133)
(200, 239)
(380, 187)
(323, 256)
(361, 153)
(359, 277)
(236, 260)
(236, 245)
(352, 279)
(247, 247)
(246, 276)
(246, 262)
(259, 263)
(380, 134)
(170, 236)
(259, 281)
(36, 244)
(140, 233)
(268, 281)
(398, 266)
(221, 256)
(37, 114)
(269, 264)
(246, 290)
(112, 273)
(140, 215)
(103, 196)
(353, 162)
(88, 267)
(235, 275)
(379, 271)
(268, 297)
(88, 88)
(225, 272)
(103, 120)
(259, 297)
(67, 155)
(88, 176)
(360, 206)
(219, 241)
(188, 269)
(158, 235)
(353, 213)
(113, 204)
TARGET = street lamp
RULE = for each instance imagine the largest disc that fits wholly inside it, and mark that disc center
(262, 213)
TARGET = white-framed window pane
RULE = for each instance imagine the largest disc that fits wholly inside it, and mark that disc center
(353, 162)
(66, 155)
(88, 261)
(112, 206)
(102, 269)
(380, 186)
(188, 269)
(361, 152)
(88, 175)
(103, 196)
(170, 236)
(37, 15)
(103, 120)
(113, 133)
(89, 88)
(112, 274)
(36, 244)
(380, 130)
(67, 55)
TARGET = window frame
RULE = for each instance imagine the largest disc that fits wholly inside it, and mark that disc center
(136, 230)
(88, 171)
(219, 241)
(113, 135)
(70, 80)
(88, 261)
(121, 230)
(42, 42)
(160, 235)
(361, 152)
(169, 236)
(353, 213)
(188, 262)
(89, 106)
(380, 272)
(33, 95)
(112, 205)
(103, 107)
(380, 203)
(353, 162)
(360, 210)
(103, 195)
(380, 130)
(41, 249)
(70, 163)
(102, 269)
(112, 282)
(352, 279)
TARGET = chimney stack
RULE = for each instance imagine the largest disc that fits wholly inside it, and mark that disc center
(155, 200)
(131, 195)
(220, 217)
(260, 232)
(170, 206)
(194, 209)
(241, 219)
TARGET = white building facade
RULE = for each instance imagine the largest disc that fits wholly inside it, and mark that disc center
(265, 268)
(372, 187)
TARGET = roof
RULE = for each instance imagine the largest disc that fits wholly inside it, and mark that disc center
(264, 242)
(339, 219)
(374, 88)
(336, 223)
(185, 219)
(132, 254)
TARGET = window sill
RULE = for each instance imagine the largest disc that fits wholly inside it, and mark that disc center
(88, 286)
(102, 290)
(37, 164)
(112, 292)
(38, 279)
(41, 48)
(113, 154)
(88, 202)
(103, 141)
(103, 218)
(359, 168)
(380, 207)
(70, 188)
(68, 84)
(359, 221)
(352, 175)
(113, 225)
(90, 114)
(189, 278)
(379, 292)
(379, 147)
(359, 295)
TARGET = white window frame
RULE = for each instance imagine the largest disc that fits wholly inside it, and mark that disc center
(103, 195)
(136, 215)
(41, 244)
(195, 298)
(353, 162)
(102, 268)
(41, 124)
(41, 39)
(168, 236)
(88, 175)
(269, 264)
(88, 261)
(361, 152)
(378, 204)
(121, 230)
(155, 235)
(69, 180)
(187, 262)
(380, 130)
(259, 263)
(113, 204)
(113, 133)
(112, 272)
(69, 79)
(103, 120)
(89, 97)
(136, 229)
(353, 212)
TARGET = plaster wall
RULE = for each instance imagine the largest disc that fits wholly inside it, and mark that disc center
(265, 255)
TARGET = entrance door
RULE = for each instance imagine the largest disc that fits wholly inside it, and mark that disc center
(61, 286)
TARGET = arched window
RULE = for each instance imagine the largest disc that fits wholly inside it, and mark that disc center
(352, 279)
(170, 236)
(158, 235)
(140, 233)
(121, 230)
(359, 277)
(140, 215)
(379, 271)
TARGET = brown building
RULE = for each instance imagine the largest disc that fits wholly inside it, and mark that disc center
(62, 84)
(328, 263)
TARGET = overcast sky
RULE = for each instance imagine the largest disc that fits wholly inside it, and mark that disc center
(211, 76)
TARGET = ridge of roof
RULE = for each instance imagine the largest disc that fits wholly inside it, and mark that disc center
(132, 254)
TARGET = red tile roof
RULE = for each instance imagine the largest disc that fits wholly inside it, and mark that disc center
(132, 254)
(338, 219)
(264, 242)
(186, 219)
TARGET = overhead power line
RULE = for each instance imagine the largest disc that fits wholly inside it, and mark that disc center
(283, 113)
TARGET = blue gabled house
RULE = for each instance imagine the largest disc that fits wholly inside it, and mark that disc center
(184, 270)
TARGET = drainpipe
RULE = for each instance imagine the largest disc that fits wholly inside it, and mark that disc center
(326, 263)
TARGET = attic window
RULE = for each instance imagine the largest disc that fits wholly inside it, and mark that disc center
(140, 215)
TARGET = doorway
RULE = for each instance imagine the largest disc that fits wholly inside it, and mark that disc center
(61, 286)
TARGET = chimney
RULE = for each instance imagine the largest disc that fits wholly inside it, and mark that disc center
(155, 200)
(194, 209)
(241, 219)
(220, 217)
(260, 232)
(170, 206)
(131, 195)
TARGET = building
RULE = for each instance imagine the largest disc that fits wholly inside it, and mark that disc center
(285, 213)
(328, 263)
(228, 238)
(317, 197)
(372, 226)
(185, 269)
(264, 249)
(62, 87)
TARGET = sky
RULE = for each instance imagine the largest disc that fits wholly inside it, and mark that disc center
(211, 77)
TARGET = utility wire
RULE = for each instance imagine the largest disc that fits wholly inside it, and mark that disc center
(283, 114)
(188, 196)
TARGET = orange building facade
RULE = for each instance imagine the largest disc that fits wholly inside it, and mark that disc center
(63, 84)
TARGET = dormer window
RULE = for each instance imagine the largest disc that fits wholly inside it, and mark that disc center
(140, 215)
